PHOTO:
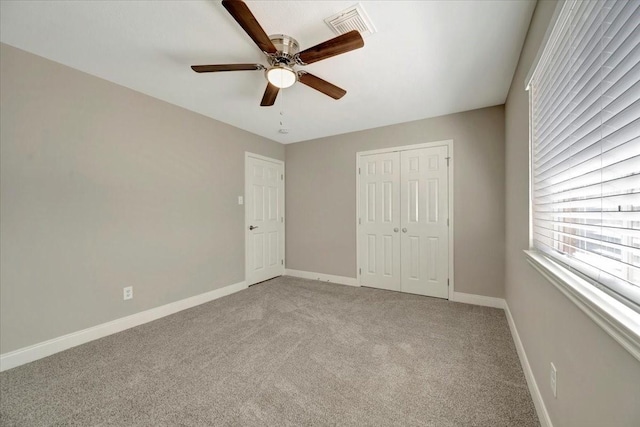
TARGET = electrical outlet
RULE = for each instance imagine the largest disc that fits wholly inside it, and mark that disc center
(554, 380)
(127, 293)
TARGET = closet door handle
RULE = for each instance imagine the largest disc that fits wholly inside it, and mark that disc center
(251, 227)
(395, 230)
(404, 230)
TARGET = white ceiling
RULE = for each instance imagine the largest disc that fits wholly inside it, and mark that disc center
(428, 58)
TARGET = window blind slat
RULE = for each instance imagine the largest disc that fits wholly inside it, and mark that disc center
(618, 186)
(556, 72)
(587, 145)
(570, 62)
(591, 164)
(559, 58)
(615, 232)
(598, 255)
(620, 203)
(585, 75)
(579, 116)
(584, 262)
(583, 238)
(566, 242)
(612, 167)
(622, 88)
(621, 62)
(614, 219)
(591, 148)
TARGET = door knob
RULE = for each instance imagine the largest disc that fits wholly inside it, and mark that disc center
(404, 230)
(251, 227)
(395, 230)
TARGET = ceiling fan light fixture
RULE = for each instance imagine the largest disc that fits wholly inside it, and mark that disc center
(281, 76)
(283, 53)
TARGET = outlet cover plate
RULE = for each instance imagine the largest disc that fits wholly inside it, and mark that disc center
(127, 293)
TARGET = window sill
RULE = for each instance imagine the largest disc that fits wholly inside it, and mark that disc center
(618, 320)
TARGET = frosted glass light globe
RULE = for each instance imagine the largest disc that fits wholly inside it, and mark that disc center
(281, 77)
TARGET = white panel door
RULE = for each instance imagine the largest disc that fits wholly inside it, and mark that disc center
(379, 221)
(424, 213)
(264, 219)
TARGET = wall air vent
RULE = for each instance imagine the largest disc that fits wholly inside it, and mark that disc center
(353, 18)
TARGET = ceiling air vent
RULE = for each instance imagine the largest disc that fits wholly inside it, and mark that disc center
(353, 18)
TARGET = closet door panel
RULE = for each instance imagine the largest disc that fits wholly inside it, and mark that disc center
(379, 221)
(424, 210)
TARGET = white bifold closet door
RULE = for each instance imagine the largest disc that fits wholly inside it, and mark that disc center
(403, 229)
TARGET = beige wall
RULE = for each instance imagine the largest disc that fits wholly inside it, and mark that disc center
(321, 196)
(103, 187)
(598, 381)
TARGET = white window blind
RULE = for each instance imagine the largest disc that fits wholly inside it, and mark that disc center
(585, 133)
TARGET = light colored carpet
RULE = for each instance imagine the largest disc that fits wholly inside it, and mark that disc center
(286, 352)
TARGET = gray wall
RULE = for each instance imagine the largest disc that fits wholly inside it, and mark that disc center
(598, 381)
(321, 196)
(103, 187)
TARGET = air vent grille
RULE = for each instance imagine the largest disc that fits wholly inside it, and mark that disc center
(353, 18)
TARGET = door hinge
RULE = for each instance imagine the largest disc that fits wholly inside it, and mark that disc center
(358, 171)
(447, 282)
(447, 222)
(359, 271)
(359, 220)
(281, 177)
(282, 261)
(282, 219)
(447, 160)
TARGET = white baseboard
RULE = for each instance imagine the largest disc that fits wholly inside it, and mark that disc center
(341, 280)
(541, 409)
(55, 345)
(478, 300)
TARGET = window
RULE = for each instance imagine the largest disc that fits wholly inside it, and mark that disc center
(585, 145)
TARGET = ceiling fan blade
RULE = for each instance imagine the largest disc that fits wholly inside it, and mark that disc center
(243, 16)
(270, 94)
(321, 85)
(226, 67)
(336, 46)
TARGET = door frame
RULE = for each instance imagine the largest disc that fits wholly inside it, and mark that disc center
(247, 156)
(449, 144)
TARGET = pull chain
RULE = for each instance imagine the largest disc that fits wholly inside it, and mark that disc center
(283, 129)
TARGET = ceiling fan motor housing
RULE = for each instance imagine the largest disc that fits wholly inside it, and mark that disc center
(287, 47)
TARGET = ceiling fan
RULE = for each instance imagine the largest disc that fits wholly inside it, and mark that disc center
(283, 55)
